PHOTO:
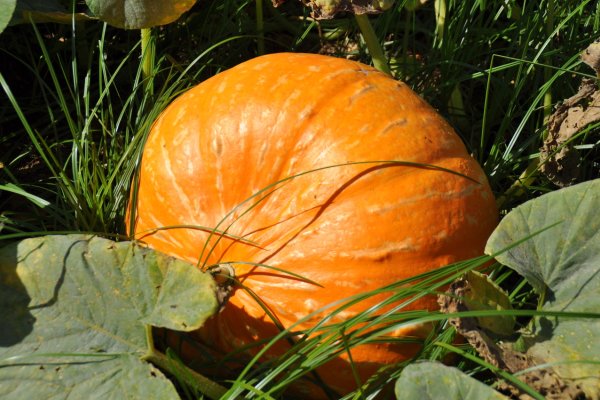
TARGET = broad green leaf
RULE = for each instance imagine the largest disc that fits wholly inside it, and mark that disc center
(74, 310)
(101, 377)
(187, 297)
(563, 264)
(40, 11)
(7, 7)
(484, 294)
(434, 381)
(137, 14)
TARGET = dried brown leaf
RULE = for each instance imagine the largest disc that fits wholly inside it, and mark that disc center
(559, 159)
(591, 56)
(544, 380)
(327, 9)
(456, 302)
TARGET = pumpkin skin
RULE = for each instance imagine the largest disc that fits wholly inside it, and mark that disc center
(351, 228)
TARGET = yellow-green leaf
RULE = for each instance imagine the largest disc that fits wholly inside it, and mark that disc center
(137, 14)
(484, 294)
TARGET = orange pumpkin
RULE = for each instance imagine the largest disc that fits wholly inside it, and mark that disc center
(351, 228)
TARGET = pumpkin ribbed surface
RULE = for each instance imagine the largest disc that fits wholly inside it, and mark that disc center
(351, 228)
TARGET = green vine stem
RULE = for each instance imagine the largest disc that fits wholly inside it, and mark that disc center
(518, 187)
(147, 58)
(440, 18)
(149, 338)
(407, 21)
(375, 49)
(192, 378)
(260, 27)
(548, 71)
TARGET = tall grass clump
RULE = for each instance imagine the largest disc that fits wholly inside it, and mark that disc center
(76, 125)
(82, 138)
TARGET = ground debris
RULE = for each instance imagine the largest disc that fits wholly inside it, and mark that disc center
(591, 56)
(327, 9)
(502, 355)
(560, 161)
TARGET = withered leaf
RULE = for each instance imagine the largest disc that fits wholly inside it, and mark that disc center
(327, 9)
(455, 302)
(485, 294)
(591, 56)
(559, 159)
(544, 380)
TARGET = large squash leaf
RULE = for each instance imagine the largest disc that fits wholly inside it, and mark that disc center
(137, 14)
(74, 313)
(40, 11)
(116, 377)
(7, 7)
(563, 264)
(434, 381)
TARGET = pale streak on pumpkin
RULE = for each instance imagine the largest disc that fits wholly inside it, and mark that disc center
(219, 166)
(350, 230)
(174, 178)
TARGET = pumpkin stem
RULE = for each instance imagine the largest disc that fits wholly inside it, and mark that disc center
(224, 276)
